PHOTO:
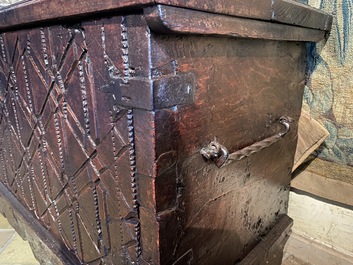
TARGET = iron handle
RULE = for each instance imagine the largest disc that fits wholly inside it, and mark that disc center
(219, 154)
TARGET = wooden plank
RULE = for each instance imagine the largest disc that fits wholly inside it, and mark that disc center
(269, 250)
(311, 134)
(325, 179)
(327, 169)
(290, 12)
(260, 9)
(283, 11)
(166, 19)
(32, 11)
(328, 188)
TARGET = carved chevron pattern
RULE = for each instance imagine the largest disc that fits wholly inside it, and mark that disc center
(63, 152)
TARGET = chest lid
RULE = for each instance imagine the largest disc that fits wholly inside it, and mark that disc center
(36, 12)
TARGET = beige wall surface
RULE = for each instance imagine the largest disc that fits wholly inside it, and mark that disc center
(324, 223)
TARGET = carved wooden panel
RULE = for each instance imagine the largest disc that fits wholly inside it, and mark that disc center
(66, 151)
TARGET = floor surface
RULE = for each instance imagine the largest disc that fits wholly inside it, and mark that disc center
(14, 250)
(300, 250)
(291, 260)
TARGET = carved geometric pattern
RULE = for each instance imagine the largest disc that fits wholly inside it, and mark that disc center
(66, 152)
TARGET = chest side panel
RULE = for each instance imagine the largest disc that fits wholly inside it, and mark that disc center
(240, 90)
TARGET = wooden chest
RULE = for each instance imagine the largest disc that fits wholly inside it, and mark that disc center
(150, 131)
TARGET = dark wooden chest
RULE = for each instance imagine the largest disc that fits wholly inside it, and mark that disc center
(150, 132)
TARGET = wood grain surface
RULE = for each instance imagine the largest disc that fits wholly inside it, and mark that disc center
(282, 11)
(240, 77)
(167, 19)
(68, 148)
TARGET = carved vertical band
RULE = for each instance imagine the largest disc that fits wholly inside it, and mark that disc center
(125, 50)
(44, 47)
(134, 187)
(3, 53)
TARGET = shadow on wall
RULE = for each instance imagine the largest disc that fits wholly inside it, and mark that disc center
(329, 89)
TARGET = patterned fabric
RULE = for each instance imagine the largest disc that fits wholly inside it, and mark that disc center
(329, 90)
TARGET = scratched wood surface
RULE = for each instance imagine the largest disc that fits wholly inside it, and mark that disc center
(101, 127)
(199, 219)
(181, 21)
(282, 11)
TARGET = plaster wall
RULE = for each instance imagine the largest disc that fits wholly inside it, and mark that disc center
(322, 222)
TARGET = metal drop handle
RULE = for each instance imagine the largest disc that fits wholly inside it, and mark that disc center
(220, 156)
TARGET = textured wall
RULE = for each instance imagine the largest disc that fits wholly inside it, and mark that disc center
(329, 92)
(325, 223)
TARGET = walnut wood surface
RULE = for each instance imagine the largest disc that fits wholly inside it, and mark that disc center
(269, 250)
(242, 88)
(174, 20)
(290, 12)
(34, 11)
(68, 143)
(283, 11)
